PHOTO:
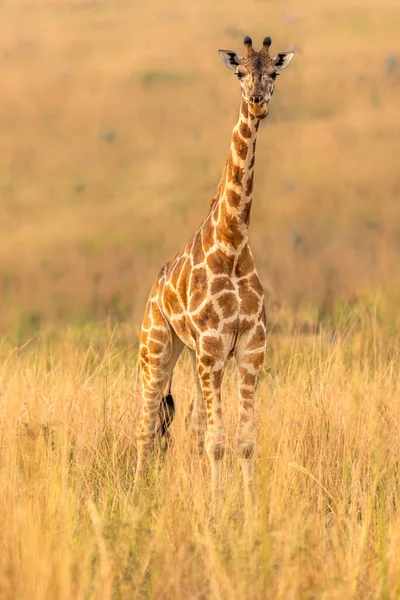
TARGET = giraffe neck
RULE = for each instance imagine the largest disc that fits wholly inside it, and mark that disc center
(231, 210)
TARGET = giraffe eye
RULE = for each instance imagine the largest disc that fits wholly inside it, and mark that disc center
(274, 75)
(239, 74)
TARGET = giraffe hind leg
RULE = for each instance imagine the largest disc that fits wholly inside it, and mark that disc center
(249, 362)
(159, 350)
(210, 372)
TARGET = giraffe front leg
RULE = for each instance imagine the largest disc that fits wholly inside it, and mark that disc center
(196, 420)
(210, 375)
(249, 361)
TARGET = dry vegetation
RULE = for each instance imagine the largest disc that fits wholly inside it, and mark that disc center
(328, 474)
(114, 126)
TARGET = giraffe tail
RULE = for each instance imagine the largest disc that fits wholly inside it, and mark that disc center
(166, 415)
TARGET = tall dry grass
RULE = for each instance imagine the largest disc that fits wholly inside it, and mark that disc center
(327, 476)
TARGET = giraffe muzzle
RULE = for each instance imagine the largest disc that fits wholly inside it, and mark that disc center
(259, 109)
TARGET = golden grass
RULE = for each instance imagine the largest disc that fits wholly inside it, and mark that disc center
(327, 477)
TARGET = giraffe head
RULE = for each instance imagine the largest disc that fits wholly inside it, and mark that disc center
(257, 72)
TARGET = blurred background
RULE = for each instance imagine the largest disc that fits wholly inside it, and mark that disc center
(115, 123)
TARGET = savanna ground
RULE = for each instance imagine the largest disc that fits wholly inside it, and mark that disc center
(115, 120)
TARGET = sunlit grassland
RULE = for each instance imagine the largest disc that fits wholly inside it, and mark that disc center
(327, 476)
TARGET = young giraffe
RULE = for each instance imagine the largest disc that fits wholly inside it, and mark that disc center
(208, 296)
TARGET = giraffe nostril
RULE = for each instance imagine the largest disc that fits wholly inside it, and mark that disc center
(256, 99)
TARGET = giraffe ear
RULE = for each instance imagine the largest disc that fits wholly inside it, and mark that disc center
(230, 58)
(282, 59)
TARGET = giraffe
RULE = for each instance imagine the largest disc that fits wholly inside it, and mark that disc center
(209, 297)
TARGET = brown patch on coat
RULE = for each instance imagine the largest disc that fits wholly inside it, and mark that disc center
(206, 380)
(235, 172)
(245, 129)
(207, 393)
(158, 317)
(197, 249)
(230, 328)
(207, 318)
(176, 270)
(249, 186)
(208, 238)
(220, 263)
(155, 362)
(244, 216)
(218, 451)
(233, 198)
(258, 339)
(171, 302)
(161, 335)
(217, 378)
(144, 354)
(145, 370)
(221, 283)
(207, 361)
(247, 378)
(195, 300)
(256, 359)
(198, 282)
(155, 347)
(246, 324)
(246, 394)
(249, 300)
(213, 346)
(245, 263)
(240, 145)
(245, 109)
(246, 406)
(229, 304)
(244, 418)
(193, 331)
(253, 160)
(255, 283)
(181, 328)
(228, 229)
(218, 411)
(183, 281)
